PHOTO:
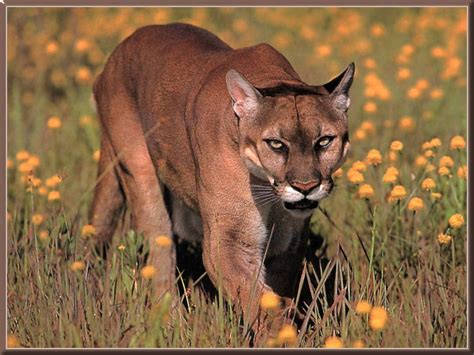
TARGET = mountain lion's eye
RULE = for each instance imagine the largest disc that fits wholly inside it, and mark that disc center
(324, 142)
(276, 144)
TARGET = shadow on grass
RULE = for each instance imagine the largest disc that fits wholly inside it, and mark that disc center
(192, 272)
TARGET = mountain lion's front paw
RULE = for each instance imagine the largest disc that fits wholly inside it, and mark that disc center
(274, 326)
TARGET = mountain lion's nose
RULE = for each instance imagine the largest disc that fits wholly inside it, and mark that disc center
(304, 187)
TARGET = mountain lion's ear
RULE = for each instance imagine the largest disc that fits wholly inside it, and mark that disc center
(339, 87)
(244, 96)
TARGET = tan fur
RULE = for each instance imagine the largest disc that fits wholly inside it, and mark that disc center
(183, 112)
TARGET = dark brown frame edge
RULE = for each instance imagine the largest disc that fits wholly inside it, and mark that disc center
(79, 3)
(192, 3)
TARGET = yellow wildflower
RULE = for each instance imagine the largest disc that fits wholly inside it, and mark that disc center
(363, 307)
(333, 342)
(25, 168)
(392, 170)
(358, 344)
(77, 266)
(269, 300)
(438, 52)
(426, 145)
(22, 155)
(428, 184)
(96, 155)
(370, 63)
(53, 181)
(457, 142)
(377, 30)
(83, 75)
(354, 176)
(370, 91)
(446, 161)
(88, 230)
(415, 204)
(34, 181)
(436, 195)
(360, 134)
(435, 142)
(43, 235)
(366, 191)
(377, 318)
(453, 64)
(374, 157)
(34, 161)
(456, 221)
(121, 247)
(54, 122)
(406, 124)
(398, 192)
(52, 47)
(42, 191)
(359, 166)
(422, 84)
(54, 195)
(420, 160)
(443, 171)
(307, 33)
(323, 50)
(12, 341)
(370, 107)
(403, 73)
(368, 126)
(413, 93)
(383, 92)
(462, 172)
(408, 49)
(429, 153)
(396, 146)
(163, 241)
(436, 94)
(37, 219)
(82, 45)
(389, 178)
(287, 335)
(444, 238)
(148, 272)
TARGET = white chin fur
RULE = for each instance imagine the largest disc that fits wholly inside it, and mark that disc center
(291, 195)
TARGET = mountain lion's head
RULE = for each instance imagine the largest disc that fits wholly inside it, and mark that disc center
(293, 139)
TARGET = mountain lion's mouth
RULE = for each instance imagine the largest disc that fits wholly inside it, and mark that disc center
(304, 204)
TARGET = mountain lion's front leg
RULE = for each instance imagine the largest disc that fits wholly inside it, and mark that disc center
(233, 247)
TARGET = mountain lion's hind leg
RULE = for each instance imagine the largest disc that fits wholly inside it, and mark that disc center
(109, 199)
(139, 181)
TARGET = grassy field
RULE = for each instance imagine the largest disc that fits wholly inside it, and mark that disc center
(395, 238)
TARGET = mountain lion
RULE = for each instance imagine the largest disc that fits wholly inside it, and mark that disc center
(225, 146)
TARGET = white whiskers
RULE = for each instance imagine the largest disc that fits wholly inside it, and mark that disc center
(263, 195)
